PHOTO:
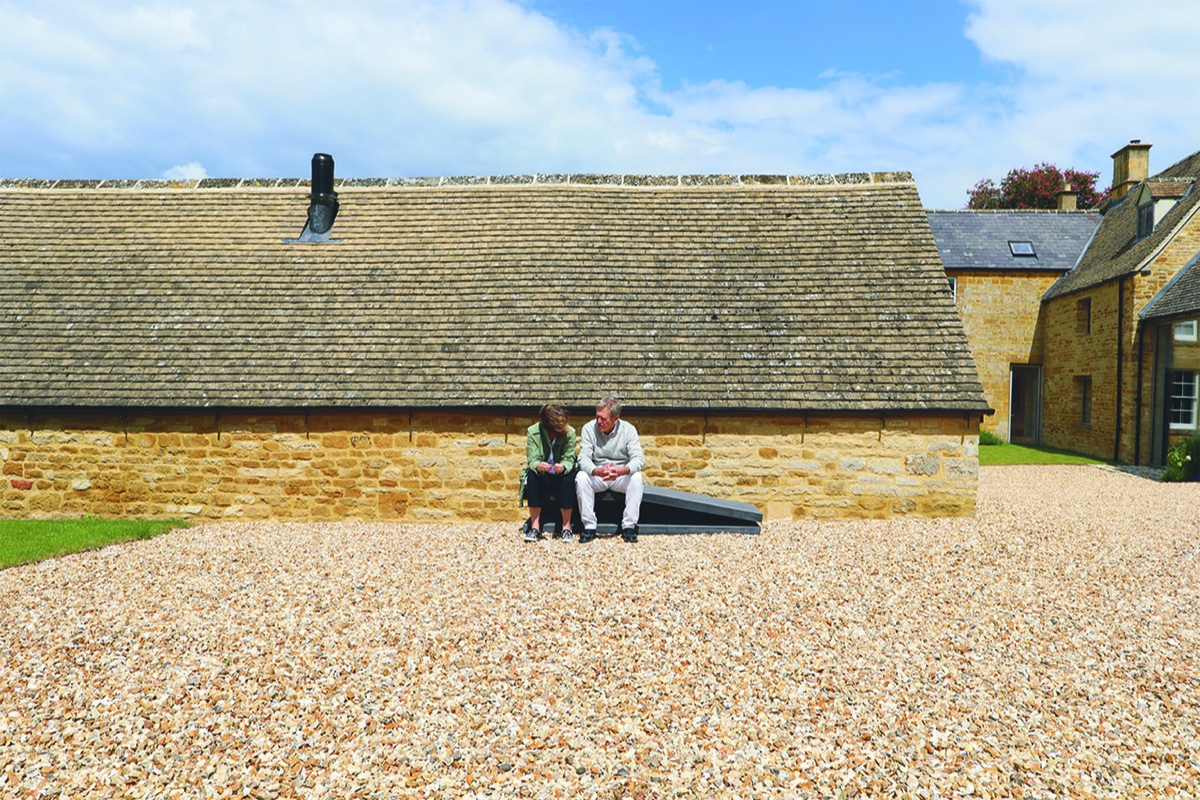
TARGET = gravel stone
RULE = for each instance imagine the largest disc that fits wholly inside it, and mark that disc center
(1047, 647)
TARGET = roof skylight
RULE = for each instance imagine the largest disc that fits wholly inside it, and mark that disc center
(1022, 249)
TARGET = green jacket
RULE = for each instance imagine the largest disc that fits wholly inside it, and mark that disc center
(537, 445)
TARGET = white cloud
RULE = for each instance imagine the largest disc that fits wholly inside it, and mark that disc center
(186, 172)
(1092, 77)
(251, 89)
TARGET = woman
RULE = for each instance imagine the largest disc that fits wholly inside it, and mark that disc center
(549, 469)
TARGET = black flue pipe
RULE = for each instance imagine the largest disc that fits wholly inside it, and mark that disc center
(322, 175)
(322, 202)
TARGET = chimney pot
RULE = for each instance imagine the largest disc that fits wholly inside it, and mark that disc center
(1131, 166)
(1068, 198)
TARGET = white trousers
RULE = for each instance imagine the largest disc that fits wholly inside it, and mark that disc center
(630, 485)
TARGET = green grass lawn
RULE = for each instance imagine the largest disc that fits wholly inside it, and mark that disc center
(24, 541)
(1032, 454)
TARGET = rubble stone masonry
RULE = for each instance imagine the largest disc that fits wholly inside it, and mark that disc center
(999, 311)
(1081, 350)
(463, 466)
(1084, 328)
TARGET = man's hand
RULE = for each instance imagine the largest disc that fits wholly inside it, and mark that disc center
(610, 472)
(545, 466)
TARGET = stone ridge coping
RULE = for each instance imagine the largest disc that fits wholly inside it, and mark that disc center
(961, 409)
(591, 180)
(1076, 212)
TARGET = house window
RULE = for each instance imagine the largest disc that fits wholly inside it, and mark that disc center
(1023, 249)
(1183, 400)
(1083, 315)
(1145, 219)
(953, 288)
(1085, 400)
(1185, 331)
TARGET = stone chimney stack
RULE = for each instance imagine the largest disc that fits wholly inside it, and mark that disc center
(1131, 166)
(1068, 198)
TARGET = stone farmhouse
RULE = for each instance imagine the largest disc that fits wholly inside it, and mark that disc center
(1084, 325)
(999, 264)
(1120, 374)
(176, 348)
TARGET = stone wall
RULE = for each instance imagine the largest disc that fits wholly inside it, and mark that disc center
(463, 466)
(1081, 350)
(999, 311)
(1074, 352)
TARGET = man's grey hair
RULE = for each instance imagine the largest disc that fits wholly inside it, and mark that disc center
(612, 404)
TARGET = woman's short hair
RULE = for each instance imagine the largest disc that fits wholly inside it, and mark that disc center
(554, 417)
(612, 404)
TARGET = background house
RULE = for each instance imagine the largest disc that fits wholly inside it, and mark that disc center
(999, 264)
(1120, 359)
(170, 348)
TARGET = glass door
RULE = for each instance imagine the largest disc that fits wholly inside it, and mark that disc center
(1025, 404)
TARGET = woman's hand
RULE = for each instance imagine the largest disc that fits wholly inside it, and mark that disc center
(545, 466)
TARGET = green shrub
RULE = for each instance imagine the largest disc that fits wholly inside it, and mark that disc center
(1183, 460)
(986, 437)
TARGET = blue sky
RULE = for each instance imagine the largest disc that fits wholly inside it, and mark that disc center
(950, 91)
(785, 42)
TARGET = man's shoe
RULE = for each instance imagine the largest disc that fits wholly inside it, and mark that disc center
(568, 535)
(589, 534)
(629, 534)
(532, 534)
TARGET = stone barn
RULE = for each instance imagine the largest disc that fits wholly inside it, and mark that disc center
(179, 349)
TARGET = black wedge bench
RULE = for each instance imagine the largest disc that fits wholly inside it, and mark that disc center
(665, 511)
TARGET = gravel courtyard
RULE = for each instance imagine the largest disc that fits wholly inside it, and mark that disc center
(1048, 647)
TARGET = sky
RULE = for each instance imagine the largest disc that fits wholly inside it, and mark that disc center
(952, 91)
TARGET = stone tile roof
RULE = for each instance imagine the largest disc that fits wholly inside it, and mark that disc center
(692, 292)
(1180, 296)
(1115, 250)
(1186, 167)
(969, 239)
(1174, 188)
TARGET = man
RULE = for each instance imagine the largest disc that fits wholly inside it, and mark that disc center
(610, 457)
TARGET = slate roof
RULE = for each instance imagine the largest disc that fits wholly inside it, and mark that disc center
(692, 292)
(970, 239)
(1115, 250)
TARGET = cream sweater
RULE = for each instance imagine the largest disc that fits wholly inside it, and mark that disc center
(621, 447)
